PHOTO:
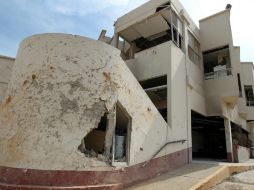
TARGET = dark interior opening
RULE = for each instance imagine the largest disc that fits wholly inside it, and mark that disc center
(208, 137)
(94, 140)
(146, 43)
(217, 62)
(154, 82)
(248, 89)
(121, 134)
(156, 89)
(239, 84)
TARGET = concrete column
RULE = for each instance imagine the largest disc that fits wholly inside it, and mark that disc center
(115, 40)
(111, 123)
(132, 50)
(229, 142)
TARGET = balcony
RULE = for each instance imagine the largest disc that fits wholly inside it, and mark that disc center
(217, 63)
(224, 72)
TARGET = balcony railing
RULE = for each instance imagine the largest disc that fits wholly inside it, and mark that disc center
(218, 74)
(250, 103)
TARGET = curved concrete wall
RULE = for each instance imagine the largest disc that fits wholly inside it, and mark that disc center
(60, 87)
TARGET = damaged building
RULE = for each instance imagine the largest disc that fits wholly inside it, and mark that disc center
(123, 109)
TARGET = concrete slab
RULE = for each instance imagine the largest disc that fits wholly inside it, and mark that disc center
(241, 181)
(179, 179)
(245, 177)
(233, 186)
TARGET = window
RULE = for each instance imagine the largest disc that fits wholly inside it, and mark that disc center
(156, 89)
(177, 29)
(248, 89)
(217, 63)
(239, 85)
(193, 49)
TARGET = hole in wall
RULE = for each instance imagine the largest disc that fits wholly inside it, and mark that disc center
(92, 144)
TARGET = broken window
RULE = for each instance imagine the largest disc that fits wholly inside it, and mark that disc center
(193, 49)
(121, 139)
(217, 63)
(156, 89)
(248, 89)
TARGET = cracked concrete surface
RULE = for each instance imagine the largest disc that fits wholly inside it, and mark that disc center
(61, 86)
(241, 181)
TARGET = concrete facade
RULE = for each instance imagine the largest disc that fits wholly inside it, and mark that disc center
(210, 90)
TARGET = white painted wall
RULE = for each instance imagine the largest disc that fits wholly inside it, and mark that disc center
(247, 73)
(210, 36)
(196, 84)
(152, 62)
(167, 59)
(243, 154)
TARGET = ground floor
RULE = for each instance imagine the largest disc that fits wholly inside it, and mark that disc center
(217, 138)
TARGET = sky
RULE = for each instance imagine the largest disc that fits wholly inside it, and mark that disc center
(22, 18)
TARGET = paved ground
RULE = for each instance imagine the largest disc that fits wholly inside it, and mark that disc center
(179, 179)
(242, 181)
(187, 176)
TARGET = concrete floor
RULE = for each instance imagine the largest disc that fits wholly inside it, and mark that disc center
(189, 175)
(180, 179)
(242, 181)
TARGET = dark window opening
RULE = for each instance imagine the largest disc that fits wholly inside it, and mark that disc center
(154, 82)
(180, 41)
(217, 63)
(146, 43)
(175, 35)
(193, 49)
(208, 137)
(122, 135)
(239, 85)
(248, 89)
(156, 89)
(173, 32)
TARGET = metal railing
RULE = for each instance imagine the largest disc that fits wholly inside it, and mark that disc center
(218, 74)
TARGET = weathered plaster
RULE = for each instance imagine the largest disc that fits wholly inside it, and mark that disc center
(6, 64)
(60, 88)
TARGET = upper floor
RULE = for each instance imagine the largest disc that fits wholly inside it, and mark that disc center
(214, 72)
